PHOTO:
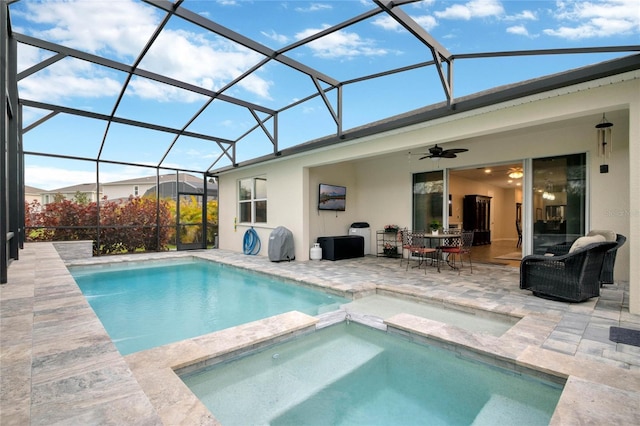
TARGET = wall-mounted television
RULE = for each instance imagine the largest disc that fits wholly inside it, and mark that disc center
(332, 197)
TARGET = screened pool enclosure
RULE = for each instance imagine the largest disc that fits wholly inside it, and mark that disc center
(107, 126)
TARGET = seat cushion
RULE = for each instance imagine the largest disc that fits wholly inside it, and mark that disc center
(585, 241)
(607, 234)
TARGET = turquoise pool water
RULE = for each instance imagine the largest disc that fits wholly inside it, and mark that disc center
(349, 374)
(143, 305)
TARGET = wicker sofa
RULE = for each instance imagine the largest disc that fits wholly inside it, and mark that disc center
(606, 276)
(571, 277)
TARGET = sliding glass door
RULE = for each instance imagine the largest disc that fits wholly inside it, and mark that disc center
(428, 190)
(559, 200)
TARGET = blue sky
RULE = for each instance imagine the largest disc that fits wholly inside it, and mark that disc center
(118, 29)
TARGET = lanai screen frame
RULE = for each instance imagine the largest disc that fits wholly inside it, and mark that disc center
(12, 182)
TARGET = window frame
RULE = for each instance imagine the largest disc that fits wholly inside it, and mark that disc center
(253, 201)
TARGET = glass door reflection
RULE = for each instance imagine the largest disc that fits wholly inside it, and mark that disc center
(559, 200)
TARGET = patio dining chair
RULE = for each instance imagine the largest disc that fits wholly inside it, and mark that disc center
(416, 246)
(461, 247)
(449, 242)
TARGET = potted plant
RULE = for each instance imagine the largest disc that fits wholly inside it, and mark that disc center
(391, 228)
(434, 225)
(390, 250)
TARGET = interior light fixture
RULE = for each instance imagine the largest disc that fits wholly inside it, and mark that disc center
(515, 173)
(548, 193)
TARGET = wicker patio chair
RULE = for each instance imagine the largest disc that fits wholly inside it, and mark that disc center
(571, 277)
(606, 276)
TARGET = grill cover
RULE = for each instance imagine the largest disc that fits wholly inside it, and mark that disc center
(281, 245)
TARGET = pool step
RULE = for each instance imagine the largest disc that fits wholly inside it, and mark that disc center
(288, 381)
(501, 410)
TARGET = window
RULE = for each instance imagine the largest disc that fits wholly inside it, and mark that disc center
(136, 191)
(252, 200)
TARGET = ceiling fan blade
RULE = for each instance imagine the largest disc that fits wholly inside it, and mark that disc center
(456, 150)
(447, 154)
(426, 156)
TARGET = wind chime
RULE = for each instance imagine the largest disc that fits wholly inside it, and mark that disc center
(604, 142)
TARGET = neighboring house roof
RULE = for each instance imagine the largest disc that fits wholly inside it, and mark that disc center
(168, 189)
(144, 180)
(33, 190)
(151, 180)
(83, 187)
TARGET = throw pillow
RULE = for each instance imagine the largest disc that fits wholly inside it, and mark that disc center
(607, 234)
(585, 241)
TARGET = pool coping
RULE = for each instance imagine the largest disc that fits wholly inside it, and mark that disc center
(58, 363)
(589, 387)
(518, 349)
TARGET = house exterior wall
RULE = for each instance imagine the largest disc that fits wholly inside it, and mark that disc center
(114, 190)
(377, 170)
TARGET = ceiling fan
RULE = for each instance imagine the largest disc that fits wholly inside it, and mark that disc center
(436, 152)
(515, 172)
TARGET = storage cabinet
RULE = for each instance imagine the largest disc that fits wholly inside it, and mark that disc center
(476, 215)
(387, 243)
(342, 247)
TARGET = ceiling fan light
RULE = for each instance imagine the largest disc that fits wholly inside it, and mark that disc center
(516, 174)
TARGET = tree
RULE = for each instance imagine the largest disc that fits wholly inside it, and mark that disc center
(81, 198)
(133, 225)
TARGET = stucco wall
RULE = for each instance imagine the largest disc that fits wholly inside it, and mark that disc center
(377, 170)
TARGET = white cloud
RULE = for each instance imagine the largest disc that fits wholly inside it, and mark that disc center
(278, 38)
(472, 9)
(120, 29)
(53, 177)
(314, 7)
(207, 63)
(427, 22)
(525, 15)
(386, 22)
(340, 44)
(580, 19)
(69, 78)
(518, 30)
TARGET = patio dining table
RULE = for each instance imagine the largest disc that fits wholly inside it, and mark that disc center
(435, 241)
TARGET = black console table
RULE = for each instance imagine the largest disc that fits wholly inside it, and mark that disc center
(342, 247)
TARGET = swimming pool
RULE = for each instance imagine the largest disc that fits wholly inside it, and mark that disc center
(148, 304)
(350, 374)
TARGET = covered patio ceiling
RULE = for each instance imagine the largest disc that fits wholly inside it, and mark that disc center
(263, 127)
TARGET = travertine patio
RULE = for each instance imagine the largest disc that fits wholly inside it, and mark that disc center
(58, 365)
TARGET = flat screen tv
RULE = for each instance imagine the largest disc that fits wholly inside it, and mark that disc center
(332, 197)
